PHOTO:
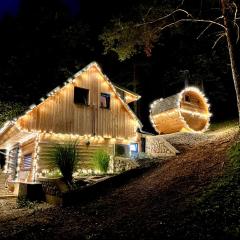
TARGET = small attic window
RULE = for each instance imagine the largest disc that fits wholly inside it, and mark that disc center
(81, 95)
(192, 100)
(105, 100)
(187, 98)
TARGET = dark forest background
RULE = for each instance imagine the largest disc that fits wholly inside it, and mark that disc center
(46, 42)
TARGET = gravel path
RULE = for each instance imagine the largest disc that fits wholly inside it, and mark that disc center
(184, 140)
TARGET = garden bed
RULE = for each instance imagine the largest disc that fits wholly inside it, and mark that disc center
(85, 187)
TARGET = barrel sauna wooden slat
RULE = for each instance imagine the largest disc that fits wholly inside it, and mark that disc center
(185, 111)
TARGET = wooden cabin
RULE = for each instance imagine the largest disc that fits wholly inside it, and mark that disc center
(88, 107)
(185, 111)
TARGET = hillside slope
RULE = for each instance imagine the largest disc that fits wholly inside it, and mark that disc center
(148, 207)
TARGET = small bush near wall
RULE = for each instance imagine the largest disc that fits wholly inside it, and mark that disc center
(65, 158)
(101, 161)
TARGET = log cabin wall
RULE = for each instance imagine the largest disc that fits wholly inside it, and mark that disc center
(85, 154)
(60, 114)
(85, 151)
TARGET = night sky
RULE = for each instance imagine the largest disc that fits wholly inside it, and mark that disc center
(11, 6)
(47, 45)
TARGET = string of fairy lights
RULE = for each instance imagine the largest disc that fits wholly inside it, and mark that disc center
(40, 133)
(178, 111)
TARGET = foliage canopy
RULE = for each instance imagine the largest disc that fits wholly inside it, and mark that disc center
(128, 37)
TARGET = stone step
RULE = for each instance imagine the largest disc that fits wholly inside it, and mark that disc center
(4, 196)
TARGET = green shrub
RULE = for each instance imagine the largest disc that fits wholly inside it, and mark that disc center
(101, 160)
(223, 125)
(65, 158)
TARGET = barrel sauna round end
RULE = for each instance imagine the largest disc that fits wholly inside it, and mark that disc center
(186, 111)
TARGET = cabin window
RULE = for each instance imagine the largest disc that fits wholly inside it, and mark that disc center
(27, 161)
(134, 147)
(81, 95)
(105, 100)
(134, 150)
(122, 150)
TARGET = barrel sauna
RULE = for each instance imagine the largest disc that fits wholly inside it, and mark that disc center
(186, 111)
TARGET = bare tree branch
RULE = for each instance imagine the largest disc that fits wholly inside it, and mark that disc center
(145, 16)
(162, 18)
(235, 18)
(214, 33)
(181, 4)
(191, 20)
(209, 25)
(218, 39)
(236, 25)
(236, 10)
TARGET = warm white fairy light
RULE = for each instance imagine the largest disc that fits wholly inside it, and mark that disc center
(32, 106)
(18, 162)
(49, 94)
(56, 89)
(87, 137)
(178, 110)
(150, 115)
(28, 138)
(196, 114)
(35, 159)
(205, 102)
(70, 81)
(98, 139)
(6, 126)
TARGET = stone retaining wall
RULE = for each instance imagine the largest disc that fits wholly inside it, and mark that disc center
(157, 146)
(53, 189)
(121, 164)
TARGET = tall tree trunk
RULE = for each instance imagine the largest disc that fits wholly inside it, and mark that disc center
(229, 9)
(134, 84)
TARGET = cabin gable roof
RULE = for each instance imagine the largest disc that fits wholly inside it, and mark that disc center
(72, 81)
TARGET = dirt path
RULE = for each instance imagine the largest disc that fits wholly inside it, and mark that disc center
(138, 210)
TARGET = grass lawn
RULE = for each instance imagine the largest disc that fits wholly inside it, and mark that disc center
(223, 125)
